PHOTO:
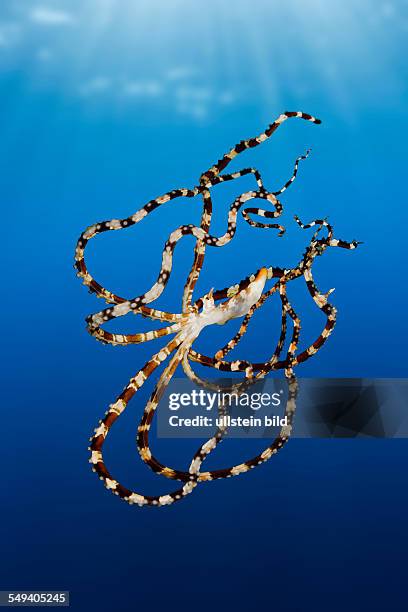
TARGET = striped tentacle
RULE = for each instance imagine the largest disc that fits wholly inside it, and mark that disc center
(107, 314)
(287, 309)
(270, 214)
(295, 171)
(284, 434)
(139, 303)
(215, 170)
(319, 224)
(241, 365)
(135, 383)
(223, 178)
(244, 467)
(117, 224)
(123, 339)
(315, 248)
(122, 309)
(96, 320)
(212, 177)
(193, 476)
(231, 344)
(271, 196)
(199, 252)
(343, 244)
(293, 346)
(268, 452)
(207, 447)
(182, 343)
(318, 246)
(263, 213)
(290, 408)
(321, 299)
(113, 413)
(200, 246)
(195, 378)
(316, 222)
(262, 193)
(150, 409)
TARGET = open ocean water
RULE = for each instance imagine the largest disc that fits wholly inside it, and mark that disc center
(105, 105)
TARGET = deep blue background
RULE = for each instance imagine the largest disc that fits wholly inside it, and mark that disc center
(104, 106)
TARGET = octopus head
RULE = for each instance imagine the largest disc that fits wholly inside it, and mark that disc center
(241, 303)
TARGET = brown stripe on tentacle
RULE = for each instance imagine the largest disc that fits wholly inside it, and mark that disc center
(138, 303)
(315, 248)
(135, 383)
(193, 476)
(113, 413)
(157, 289)
(116, 224)
(285, 432)
(271, 196)
(268, 452)
(194, 470)
(262, 213)
(181, 344)
(144, 428)
(251, 143)
(227, 348)
(240, 386)
(149, 411)
(122, 310)
(241, 365)
(278, 207)
(123, 339)
(199, 253)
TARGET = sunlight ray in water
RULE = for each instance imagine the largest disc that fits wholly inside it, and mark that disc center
(126, 55)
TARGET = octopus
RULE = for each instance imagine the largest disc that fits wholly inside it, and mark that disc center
(216, 307)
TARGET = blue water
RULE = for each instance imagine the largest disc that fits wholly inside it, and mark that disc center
(105, 107)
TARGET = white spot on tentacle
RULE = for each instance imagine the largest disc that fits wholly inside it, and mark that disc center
(139, 215)
(165, 500)
(137, 499)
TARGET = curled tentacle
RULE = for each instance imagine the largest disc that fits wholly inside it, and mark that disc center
(185, 324)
